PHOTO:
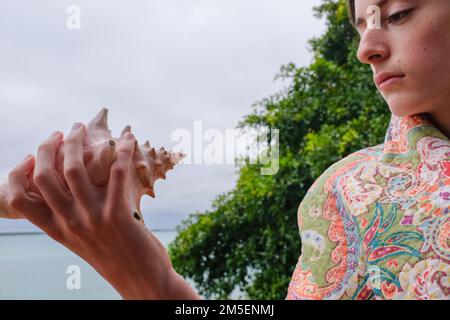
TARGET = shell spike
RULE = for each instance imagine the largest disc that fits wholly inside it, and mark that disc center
(176, 157)
(100, 120)
(125, 130)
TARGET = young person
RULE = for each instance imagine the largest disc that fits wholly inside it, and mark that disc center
(376, 224)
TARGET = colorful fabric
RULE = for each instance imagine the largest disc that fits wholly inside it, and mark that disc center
(376, 224)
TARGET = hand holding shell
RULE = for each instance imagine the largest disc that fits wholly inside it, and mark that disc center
(148, 166)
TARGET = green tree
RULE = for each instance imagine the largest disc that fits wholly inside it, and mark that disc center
(249, 240)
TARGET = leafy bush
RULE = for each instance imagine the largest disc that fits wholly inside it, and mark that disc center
(249, 240)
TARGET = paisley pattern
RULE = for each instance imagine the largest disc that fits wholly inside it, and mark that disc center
(376, 224)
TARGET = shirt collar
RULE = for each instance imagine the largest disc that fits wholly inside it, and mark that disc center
(404, 132)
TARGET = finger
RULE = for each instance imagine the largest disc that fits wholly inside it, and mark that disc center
(75, 171)
(46, 177)
(19, 198)
(117, 186)
(59, 164)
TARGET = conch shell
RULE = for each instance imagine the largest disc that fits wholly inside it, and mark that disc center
(148, 165)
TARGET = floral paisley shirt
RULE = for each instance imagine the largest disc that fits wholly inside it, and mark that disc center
(376, 224)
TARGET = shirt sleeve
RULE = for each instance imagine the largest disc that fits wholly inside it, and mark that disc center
(321, 271)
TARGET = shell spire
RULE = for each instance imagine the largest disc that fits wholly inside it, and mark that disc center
(155, 166)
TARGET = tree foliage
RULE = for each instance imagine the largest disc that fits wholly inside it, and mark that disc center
(249, 240)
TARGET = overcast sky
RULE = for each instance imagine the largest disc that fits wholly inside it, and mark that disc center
(157, 65)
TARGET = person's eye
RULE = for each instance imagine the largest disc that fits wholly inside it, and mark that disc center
(398, 16)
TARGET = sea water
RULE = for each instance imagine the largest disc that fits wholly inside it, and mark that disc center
(34, 266)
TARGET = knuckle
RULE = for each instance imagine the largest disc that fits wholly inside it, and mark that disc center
(16, 201)
(75, 225)
(71, 139)
(119, 172)
(13, 174)
(40, 178)
(44, 147)
(72, 170)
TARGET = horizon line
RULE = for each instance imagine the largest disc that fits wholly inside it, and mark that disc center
(16, 233)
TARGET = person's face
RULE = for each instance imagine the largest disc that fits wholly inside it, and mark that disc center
(413, 41)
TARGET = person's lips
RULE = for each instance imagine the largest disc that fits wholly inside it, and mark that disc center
(383, 77)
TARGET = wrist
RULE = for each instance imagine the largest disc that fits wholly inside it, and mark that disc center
(180, 289)
(139, 282)
(138, 288)
(170, 286)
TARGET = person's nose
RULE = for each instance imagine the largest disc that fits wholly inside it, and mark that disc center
(372, 47)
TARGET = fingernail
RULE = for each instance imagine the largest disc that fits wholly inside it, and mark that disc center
(128, 136)
(76, 126)
(27, 157)
(54, 134)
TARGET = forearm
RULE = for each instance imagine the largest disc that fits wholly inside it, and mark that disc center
(179, 289)
(169, 286)
(144, 271)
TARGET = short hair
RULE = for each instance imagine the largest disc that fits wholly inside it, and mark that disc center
(351, 12)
